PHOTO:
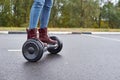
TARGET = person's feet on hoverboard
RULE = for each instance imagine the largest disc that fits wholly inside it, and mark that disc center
(43, 36)
(31, 33)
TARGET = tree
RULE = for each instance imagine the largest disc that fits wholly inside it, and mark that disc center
(111, 15)
(14, 12)
(71, 13)
(65, 13)
(5, 13)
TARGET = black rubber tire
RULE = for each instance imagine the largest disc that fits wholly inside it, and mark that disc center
(38, 50)
(57, 49)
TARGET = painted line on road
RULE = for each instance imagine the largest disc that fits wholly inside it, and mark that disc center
(14, 50)
(94, 36)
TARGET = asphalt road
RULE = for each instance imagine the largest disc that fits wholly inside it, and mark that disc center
(83, 57)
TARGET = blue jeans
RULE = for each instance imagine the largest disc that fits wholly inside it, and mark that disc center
(40, 11)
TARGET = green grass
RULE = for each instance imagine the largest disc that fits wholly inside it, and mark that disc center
(62, 29)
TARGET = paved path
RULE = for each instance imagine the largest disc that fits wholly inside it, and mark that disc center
(84, 57)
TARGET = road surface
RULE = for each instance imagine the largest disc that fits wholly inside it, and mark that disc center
(83, 57)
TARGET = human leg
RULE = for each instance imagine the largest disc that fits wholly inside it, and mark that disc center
(35, 13)
(45, 14)
(34, 17)
(44, 19)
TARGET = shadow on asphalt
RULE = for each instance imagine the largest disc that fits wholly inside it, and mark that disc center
(46, 59)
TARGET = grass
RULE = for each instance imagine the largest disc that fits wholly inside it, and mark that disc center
(63, 29)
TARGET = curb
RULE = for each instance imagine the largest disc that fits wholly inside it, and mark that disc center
(23, 32)
(17, 32)
(105, 32)
(3, 32)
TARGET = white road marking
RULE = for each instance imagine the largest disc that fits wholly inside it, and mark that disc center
(14, 50)
(94, 36)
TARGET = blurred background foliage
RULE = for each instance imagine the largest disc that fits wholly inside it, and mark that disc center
(65, 13)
